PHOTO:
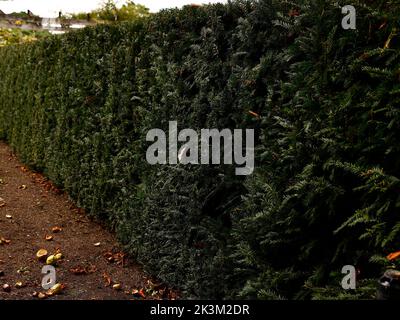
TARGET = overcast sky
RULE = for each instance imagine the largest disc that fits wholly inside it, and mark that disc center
(50, 8)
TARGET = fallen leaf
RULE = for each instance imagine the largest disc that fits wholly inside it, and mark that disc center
(51, 260)
(393, 256)
(56, 229)
(49, 238)
(20, 285)
(56, 289)
(4, 241)
(254, 114)
(58, 256)
(91, 269)
(23, 169)
(6, 288)
(23, 270)
(79, 270)
(41, 254)
(118, 258)
(117, 286)
(41, 296)
(107, 279)
(141, 293)
(135, 292)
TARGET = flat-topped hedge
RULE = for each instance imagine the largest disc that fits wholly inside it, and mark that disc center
(324, 105)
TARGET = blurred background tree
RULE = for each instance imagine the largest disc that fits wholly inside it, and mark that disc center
(110, 11)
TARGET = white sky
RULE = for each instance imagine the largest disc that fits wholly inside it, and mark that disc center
(50, 8)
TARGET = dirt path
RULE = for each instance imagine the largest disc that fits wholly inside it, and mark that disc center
(30, 207)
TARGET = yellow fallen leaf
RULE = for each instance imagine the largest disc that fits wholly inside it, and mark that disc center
(51, 260)
(58, 256)
(56, 289)
(41, 254)
(117, 286)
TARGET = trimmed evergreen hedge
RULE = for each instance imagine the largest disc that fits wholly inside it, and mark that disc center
(325, 192)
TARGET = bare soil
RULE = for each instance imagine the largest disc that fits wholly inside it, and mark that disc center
(93, 262)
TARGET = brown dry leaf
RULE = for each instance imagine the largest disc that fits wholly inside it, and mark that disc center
(118, 258)
(107, 278)
(56, 289)
(2, 203)
(23, 169)
(4, 241)
(41, 296)
(91, 269)
(254, 114)
(393, 256)
(56, 229)
(79, 270)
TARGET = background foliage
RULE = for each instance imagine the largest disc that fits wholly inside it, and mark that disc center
(109, 11)
(324, 104)
(18, 36)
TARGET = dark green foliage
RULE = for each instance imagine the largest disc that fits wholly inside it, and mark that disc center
(325, 190)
